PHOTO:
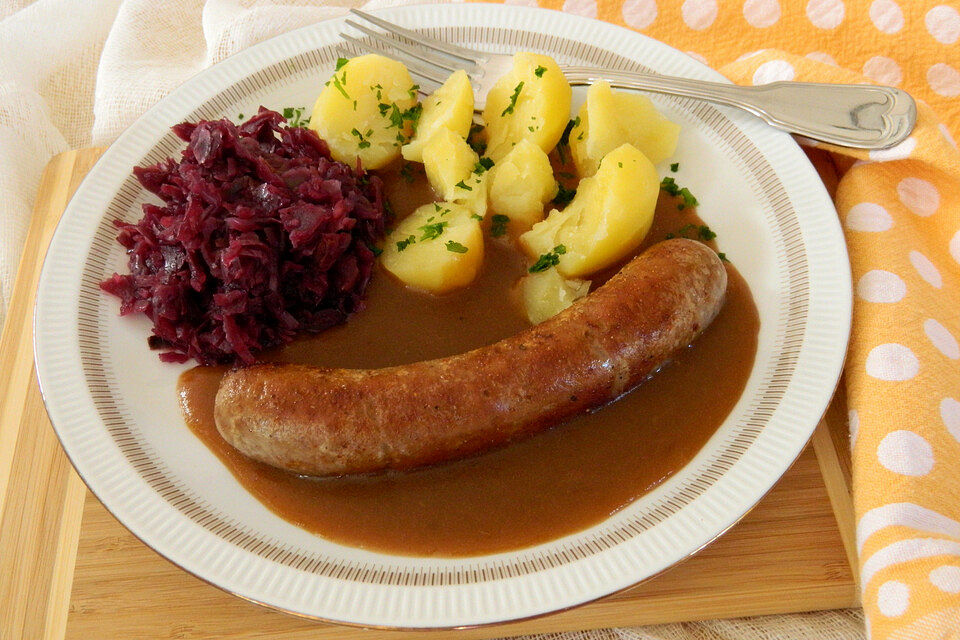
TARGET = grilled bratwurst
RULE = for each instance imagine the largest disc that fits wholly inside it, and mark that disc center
(320, 421)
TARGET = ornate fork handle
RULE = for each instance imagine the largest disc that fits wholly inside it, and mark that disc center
(851, 115)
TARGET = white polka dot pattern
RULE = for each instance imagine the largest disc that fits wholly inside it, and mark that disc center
(854, 422)
(944, 80)
(955, 246)
(906, 453)
(639, 14)
(585, 8)
(773, 71)
(898, 152)
(943, 23)
(941, 338)
(878, 285)
(926, 269)
(886, 16)
(883, 70)
(868, 216)
(699, 14)
(946, 578)
(761, 13)
(950, 414)
(918, 195)
(892, 361)
(826, 14)
(893, 598)
(820, 56)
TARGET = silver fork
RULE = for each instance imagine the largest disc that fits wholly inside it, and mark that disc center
(850, 115)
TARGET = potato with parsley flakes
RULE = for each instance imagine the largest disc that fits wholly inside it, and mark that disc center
(454, 171)
(531, 102)
(437, 248)
(611, 118)
(521, 183)
(449, 107)
(367, 110)
(606, 220)
(546, 293)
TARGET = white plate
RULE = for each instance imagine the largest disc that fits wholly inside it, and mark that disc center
(114, 407)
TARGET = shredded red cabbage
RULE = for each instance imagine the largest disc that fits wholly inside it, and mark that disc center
(261, 235)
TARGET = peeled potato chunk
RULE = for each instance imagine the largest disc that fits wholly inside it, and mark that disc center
(531, 102)
(609, 119)
(364, 111)
(547, 293)
(449, 107)
(437, 248)
(454, 172)
(607, 219)
(521, 183)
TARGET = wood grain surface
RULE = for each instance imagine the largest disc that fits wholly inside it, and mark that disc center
(68, 569)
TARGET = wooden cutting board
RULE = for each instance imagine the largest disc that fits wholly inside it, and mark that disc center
(68, 569)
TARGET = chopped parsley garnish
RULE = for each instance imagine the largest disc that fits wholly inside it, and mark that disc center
(565, 136)
(531, 129)
(239, 116)
(473, 139)
(341, 62)
(549, 259)
(513, 99)
(706, 233)
(539, 71)
(413, 90)
(464, 185)
(455, 247)
(675, 167)
(362, 137)
(694, 232)
(406, 172)
(384, 107)
(483, 165)
(376, 250)
(498, 225)
(294, 116)
(620, 164)
(476, 216)
(723, 257)
(564, 195)
(670, 185)
(431, 231)
(413, 115)
(565, 139)
(403, 244)
(338, 85)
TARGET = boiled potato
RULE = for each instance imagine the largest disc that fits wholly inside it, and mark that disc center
(454, 172)
(609, 119)
(607, 219)
(531, 102)
(547, 293)
(437, 248)
(366, 111)
(520, 184)
(449, 107)
(447, 161)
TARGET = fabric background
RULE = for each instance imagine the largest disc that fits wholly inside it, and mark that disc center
(75, 73)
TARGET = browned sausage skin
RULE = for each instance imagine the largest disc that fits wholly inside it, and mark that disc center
(321, 422)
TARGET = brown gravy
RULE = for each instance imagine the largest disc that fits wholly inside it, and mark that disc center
(553, 484)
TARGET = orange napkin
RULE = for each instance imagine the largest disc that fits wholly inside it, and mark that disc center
(900, 210)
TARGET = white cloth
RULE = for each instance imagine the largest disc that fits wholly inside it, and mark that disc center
(75, 73)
